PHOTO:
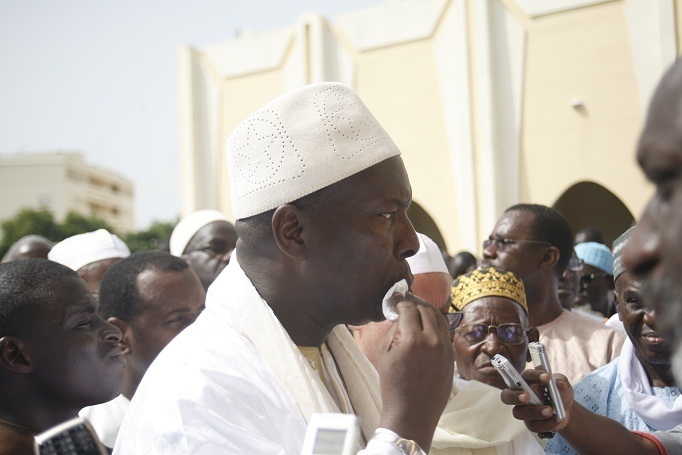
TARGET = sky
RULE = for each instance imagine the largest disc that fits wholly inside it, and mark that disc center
(100, 77)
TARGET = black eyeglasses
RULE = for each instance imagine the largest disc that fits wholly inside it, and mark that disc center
(509, 333)
(504, 244)
(215, 247)
(453, 319)
(575, 264)
(587, 278)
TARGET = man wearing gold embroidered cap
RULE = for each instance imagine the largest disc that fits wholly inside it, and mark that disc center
(495, 321)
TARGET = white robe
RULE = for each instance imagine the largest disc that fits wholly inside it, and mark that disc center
(106, 418)
(476, 422)
(234, 382)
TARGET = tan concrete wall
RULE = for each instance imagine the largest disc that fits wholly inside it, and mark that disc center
(476, 93)
(563, 145)
(397, 84)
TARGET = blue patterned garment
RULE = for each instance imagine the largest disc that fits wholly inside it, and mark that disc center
(601, 392)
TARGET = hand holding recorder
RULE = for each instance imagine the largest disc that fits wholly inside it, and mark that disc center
(523, 389)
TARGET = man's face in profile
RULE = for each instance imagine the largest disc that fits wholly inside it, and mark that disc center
(655, 250)
(358, 242)
(75, 354)
(210, 249)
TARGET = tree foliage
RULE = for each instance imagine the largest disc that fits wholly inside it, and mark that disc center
(41, 222)
(154, 238)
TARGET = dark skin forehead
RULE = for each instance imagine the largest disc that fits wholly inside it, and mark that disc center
(660, 147)
(215, 230)
(70, 298)
(515, 224)
(382, 186)
(481, 309)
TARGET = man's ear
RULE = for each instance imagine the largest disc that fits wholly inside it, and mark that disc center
(533, 335)
(550, 258)
(287, 229)
(14, 355)
(126, 333)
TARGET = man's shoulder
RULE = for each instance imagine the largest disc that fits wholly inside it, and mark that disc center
(605, 377)
(208, 379)
(589, 327)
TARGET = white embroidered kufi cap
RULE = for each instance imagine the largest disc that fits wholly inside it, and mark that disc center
(190, 225)
(80, 250)
(428, 259)
(299, 143)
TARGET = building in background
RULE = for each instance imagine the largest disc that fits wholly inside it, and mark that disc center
(492, 102)
(64, 182)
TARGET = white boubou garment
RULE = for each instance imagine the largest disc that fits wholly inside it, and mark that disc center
(476, 422)
(253, 318)
(656, 412)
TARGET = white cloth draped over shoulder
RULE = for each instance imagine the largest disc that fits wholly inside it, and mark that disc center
(476, 422)
(235, 382)
(656, 412)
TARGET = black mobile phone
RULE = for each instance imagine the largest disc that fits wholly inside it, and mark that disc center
(73, 437)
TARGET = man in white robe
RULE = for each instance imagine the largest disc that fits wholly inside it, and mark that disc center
(320, 196)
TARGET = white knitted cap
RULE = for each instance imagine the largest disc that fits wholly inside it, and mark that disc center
(80, 250)
(299, 143)
(189, 226)
(428, 259)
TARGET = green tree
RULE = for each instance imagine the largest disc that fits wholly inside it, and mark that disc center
(154, 238)
(41, 222)
(75, 223)
(25, 222)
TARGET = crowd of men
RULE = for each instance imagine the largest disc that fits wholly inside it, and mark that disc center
(233, 340)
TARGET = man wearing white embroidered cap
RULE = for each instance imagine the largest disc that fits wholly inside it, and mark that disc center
(431, 283)
(90, 254)
(321, 197)
(206, 240)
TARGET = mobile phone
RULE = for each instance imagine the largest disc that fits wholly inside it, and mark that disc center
(331, 434)
(550, 392)
(513, 378)
(73, 437)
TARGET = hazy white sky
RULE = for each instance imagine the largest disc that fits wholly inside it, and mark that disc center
(100, 76)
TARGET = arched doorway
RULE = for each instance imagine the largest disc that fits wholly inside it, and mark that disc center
(590, 204)
(423, 223)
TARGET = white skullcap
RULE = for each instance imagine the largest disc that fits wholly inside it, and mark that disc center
(189, 226)
(299, 143)
(80, 250)
(428, 259)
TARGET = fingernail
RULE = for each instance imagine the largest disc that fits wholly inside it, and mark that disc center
(523, 398)
(547, 412)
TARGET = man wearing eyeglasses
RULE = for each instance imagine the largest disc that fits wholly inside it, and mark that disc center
(206, 240)
(536, 243)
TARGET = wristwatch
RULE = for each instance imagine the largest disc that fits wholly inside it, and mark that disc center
(407, 446)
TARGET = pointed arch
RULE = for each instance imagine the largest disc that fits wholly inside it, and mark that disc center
(590, 204)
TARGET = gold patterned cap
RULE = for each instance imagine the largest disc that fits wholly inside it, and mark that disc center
(488, 282)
